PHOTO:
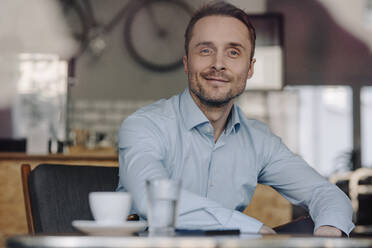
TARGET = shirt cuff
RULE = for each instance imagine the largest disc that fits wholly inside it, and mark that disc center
(245, 223)
(338, 222)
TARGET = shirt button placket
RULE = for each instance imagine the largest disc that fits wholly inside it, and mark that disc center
(211, 169)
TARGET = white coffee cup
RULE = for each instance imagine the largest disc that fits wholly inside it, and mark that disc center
(110, 207)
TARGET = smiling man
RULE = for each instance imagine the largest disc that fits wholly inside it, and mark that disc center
(218, 63)
(202, 138)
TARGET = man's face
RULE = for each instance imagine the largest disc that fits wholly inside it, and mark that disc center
(218, 63)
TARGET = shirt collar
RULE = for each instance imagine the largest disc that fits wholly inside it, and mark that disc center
(233, 121)
(190, 112)
(193, 116)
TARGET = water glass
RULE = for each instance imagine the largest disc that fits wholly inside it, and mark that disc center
(162, 204)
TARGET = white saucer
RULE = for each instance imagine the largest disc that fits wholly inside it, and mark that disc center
(109, 229)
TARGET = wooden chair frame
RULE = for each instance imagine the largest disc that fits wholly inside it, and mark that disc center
(356, 189)
(25, 172)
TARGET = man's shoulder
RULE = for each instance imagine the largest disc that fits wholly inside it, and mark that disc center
(258, 126)
(153, 120)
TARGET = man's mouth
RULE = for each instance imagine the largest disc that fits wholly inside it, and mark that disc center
(216, 79)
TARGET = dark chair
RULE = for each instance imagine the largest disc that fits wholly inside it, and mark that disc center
(56, 194)
(301, 225)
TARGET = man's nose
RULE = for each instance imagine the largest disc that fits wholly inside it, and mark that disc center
(219, 62)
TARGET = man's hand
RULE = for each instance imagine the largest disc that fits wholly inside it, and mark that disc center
(266, 230)
(329, 231)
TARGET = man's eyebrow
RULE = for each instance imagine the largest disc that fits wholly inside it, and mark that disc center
(205, 43)
(233, 44)
(210, 44)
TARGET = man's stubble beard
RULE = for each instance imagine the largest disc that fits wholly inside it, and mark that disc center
(203, 97)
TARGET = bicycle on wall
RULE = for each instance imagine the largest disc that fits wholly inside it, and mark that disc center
(152, 29)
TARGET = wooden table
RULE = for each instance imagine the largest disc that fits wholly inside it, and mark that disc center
(277, 241)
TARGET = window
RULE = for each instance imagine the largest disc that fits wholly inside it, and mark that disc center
(325, 127)
(39, 109)
(313, 121)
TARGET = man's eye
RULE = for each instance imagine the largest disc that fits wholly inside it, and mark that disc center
(233, 53)
(205, 51)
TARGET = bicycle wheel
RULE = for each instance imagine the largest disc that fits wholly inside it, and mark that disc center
(153, 33)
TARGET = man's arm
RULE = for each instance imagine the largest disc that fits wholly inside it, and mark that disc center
(141, 154)
(291, 176)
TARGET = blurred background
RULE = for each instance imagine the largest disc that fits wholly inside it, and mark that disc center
(72, 70)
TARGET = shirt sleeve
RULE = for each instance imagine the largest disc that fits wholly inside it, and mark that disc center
(141, 154)
(292, 177)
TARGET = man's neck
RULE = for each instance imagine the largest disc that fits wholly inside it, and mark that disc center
(217, 116)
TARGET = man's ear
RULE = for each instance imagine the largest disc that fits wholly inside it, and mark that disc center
(251, 68)
(185, 66)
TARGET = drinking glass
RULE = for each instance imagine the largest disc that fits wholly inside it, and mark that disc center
(162, 206)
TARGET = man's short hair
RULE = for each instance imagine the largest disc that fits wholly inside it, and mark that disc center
(220, 8)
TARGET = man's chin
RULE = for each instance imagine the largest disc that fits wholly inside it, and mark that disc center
(215, 102)
(217, 94)
(213, 97)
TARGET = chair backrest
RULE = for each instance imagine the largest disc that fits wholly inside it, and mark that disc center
(360, 188)
(58, 194)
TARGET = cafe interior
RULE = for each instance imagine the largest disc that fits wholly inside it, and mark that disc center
(72, 70)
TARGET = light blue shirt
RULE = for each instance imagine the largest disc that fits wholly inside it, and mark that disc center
(173, 139)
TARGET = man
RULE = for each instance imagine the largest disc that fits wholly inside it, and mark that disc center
(204, 139)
